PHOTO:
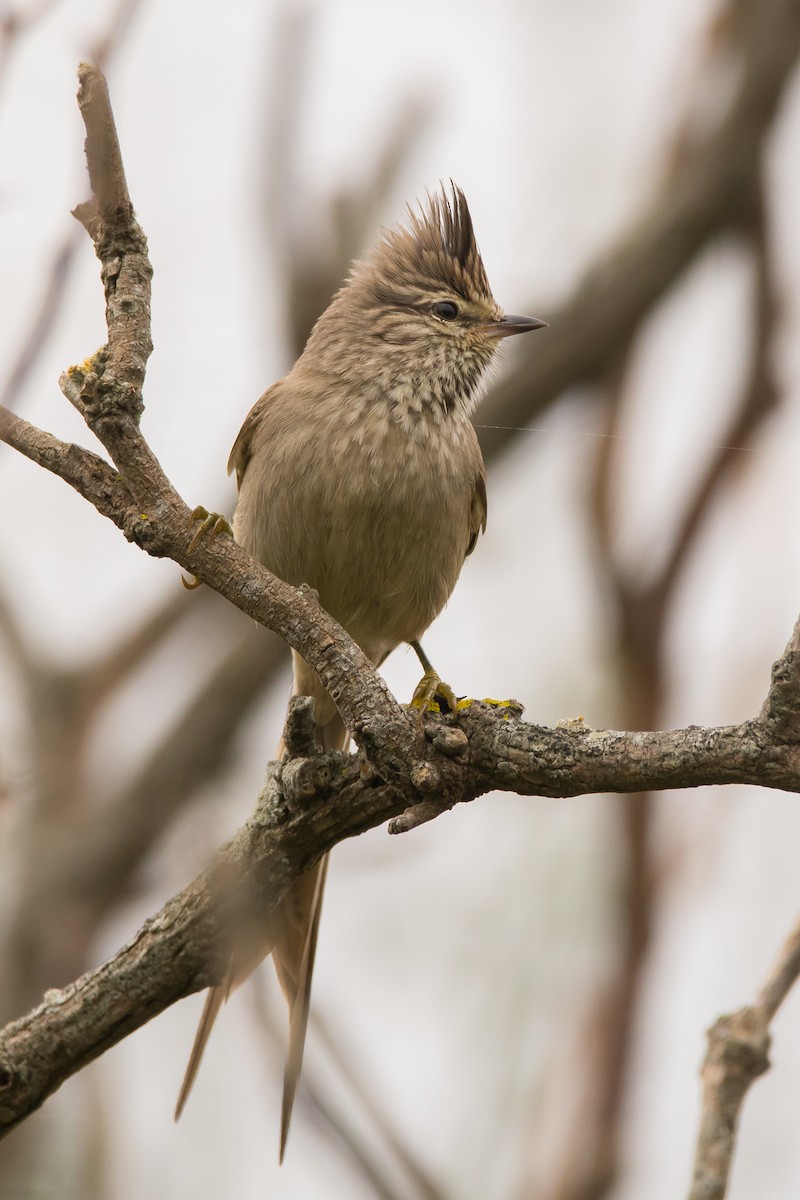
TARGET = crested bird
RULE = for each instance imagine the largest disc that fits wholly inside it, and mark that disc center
(360, 474)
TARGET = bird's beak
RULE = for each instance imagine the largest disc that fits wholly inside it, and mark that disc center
(508, 325)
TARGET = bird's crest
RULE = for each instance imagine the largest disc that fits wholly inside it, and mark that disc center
(436, 249)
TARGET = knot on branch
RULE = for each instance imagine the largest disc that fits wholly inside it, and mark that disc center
(449, 740)
(738, 1049)
(304, 780)
(426, 778)
(98, 400)
(305, 773)
(418, 814)
(781, 709)
(300, 732)
(438, 781)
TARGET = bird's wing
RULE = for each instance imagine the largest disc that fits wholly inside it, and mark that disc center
(477, 512)
(242, 449)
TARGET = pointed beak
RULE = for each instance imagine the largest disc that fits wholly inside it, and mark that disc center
(508, 325)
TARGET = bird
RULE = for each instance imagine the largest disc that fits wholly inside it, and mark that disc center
(359, 474)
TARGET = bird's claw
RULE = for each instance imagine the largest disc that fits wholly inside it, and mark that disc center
(210, 523)
(428, 689)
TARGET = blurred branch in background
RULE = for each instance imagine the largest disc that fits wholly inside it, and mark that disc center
(708, 186)
(44, 319)
(722, 191)
(326, 1116)
(315, 240)
(640, 614)
(14, 23)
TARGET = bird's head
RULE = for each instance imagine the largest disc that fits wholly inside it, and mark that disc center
(418, 316)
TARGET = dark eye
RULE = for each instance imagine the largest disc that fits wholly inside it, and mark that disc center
(445, 310)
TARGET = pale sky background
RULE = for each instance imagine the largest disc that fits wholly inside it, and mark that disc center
(553, 118)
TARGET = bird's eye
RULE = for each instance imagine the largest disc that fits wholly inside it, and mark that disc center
(445, 310)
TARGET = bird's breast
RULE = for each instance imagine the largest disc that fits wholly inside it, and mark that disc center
(370, 510)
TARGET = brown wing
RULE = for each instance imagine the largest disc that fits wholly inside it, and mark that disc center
(477, 512)
(242, 449)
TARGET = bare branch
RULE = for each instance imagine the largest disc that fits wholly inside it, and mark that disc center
(307, 807)
(109, 42)
(738, 1052)
(90, 475)
(17, 21)
(782, 705)
(783, 975)
(641, 619)
(107, 390)
(159, 521)
(369, 1100)
(330, 1121)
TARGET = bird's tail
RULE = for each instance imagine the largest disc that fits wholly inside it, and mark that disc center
(290, 934)
(295, 942)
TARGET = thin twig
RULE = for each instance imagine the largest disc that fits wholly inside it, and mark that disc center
(738, 1052)
(427, 1188)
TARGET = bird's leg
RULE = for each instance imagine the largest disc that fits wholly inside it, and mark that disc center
(431, 686)
(208, 523)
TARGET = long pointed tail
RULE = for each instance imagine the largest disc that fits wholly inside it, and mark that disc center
(290, 935)
(295, 948)
(215, 999)
(299, 1000)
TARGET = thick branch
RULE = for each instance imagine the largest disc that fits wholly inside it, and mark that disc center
(307, 807)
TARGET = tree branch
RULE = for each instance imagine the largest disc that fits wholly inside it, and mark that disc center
(90, 475)
(308, 806)
(106, 389)
(738, 1052)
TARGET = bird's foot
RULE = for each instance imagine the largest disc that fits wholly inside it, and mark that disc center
(430, 686)
(210, 523)
(430, 690)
